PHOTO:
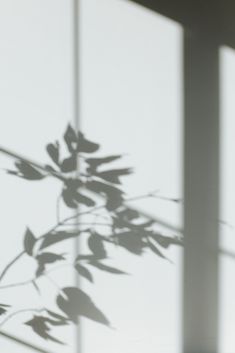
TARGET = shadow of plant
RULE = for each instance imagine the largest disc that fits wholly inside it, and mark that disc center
(94, 193)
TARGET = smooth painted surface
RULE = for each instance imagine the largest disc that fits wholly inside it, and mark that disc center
(131, 102)
(36, 104)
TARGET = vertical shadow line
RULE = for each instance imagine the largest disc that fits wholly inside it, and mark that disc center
(201, 189)
(76, 120)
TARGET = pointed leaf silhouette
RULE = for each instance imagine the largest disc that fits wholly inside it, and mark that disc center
(113, 176)
(29, 242)
(68, 197)
(47, 258)
(155, 250)
(85, 145)
(57, 316)
(84, 272)
(131, 242)
(70, 138)
(13, 172)
(73, 198)
(96, 162)
(85, 200)
(96, 245)
(40, 269)
(103, 188)
(113, 195)
(34, 283)
(107, 268)
(2, 311)
(53, 151)
(27, 171)
(166, 241)
(3, 308)
(53, 238)
(78, 303)
(50, 168)
(40, 325)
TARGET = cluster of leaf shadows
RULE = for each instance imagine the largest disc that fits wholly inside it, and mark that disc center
(95, 195)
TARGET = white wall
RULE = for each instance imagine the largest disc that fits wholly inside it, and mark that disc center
(131, 102)
(36, 104)
(131, 89)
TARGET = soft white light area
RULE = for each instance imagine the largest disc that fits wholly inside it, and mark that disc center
(227, 170)
(131, 103)
(36, 104)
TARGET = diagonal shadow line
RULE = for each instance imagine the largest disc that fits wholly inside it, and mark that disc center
(27, 160)
(41, 167)
(23, 342)
(17, 156)
(145, 214)
(157, 220)
(230, 254)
